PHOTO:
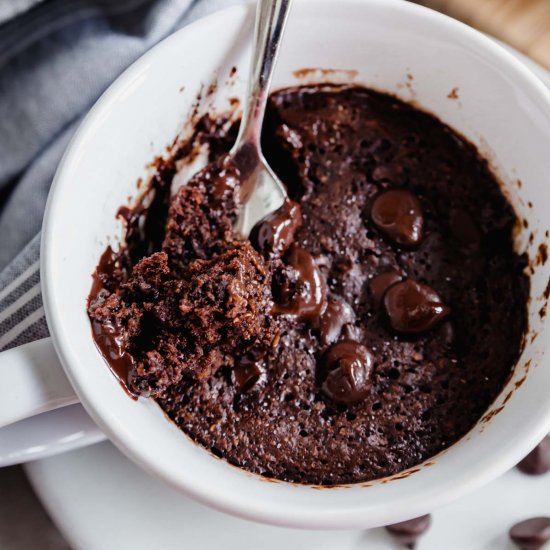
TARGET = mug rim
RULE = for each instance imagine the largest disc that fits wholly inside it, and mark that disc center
(315, 519)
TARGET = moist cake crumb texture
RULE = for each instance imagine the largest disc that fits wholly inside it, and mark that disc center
(363, 328)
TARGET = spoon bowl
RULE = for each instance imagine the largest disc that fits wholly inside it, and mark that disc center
(265, 193)
(261, 191)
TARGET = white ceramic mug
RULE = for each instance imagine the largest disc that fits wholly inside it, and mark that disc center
(394, 46)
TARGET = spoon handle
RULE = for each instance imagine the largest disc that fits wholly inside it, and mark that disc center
(271, 16)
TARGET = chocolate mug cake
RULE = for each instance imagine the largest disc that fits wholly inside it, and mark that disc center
(361, 329)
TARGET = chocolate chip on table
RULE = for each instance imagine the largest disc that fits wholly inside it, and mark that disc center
(397, 214)
(537, 462)
(414, 307)
(346, 367)
(531, 534)
(275, 233)
(408, 532)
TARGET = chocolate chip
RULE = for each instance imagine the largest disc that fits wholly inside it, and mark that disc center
(531, 534)
(346, 368)
(537, 462)
(408, 532)
(304, 296)
(275, 233)
(336, 315)
(247, 375)
(414, 307)
(398, 215)
(380, 283)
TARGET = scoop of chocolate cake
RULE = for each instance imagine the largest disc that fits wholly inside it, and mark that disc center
(194, 320)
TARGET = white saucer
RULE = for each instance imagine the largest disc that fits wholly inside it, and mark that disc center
(101, 501)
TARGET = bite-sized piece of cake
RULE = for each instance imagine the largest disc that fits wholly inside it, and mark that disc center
(190, 323)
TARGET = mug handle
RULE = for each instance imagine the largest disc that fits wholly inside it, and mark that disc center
(39, 410)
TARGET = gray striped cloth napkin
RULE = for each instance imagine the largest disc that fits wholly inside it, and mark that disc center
(56, 58)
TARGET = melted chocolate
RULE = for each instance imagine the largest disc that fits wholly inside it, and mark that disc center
(337, 314)
(275, 233)
(380, 283)
(397, 214)
(110, 342)
(108, 335)
(346, 370)
(306, 299)
(221, 178)
(413, 307)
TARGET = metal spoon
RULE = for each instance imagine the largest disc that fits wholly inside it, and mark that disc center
(261, 191)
